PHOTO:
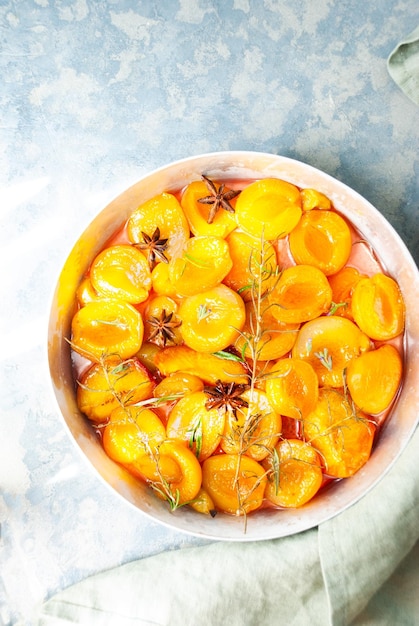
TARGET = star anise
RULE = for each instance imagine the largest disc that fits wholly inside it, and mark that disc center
(154, 246)
(226, 396)
(218, 198)
(163, 328)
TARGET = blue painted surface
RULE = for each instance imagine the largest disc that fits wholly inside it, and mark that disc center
(93, 96)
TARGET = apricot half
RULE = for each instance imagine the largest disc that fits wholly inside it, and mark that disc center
(121, 272)
(197, 213)
(212, 319)
(107, 327)
(263, 336)
(329, 343)
(323, 239)
(107, 386)
(235, 483)
(131, 432)
(254, 265)
(302, 293)
(269, 208)
(378, 307)
(292, 387)
(296, 475)
(373, 378)
(165, 213)
(204, 263)
(343, 284)
(344, 438)
(254, 430)
(209, 367)
(196, 426)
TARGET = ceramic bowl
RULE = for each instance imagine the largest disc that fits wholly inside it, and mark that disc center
(396, 260)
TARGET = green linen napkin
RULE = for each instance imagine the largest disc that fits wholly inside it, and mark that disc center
(403, 65)
(327, 575)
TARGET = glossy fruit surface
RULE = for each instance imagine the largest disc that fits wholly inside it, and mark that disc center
(254, 430)
(295, 476)
(197, 213)
(165, 213)
(343, 437)
(212, 319)
(235, 483)
(253, 263)
(208, 367)
(292, 387)
(329, 343)
(322, 239)
(269, 208)
(302, 293)
(373, 378)
(378, 307)
(131, 433)
(343, 284)
(276, 337)
(313, 199)
(204, 263)
(106, 386)
(107, 327)
(196, 426)
(121, 272)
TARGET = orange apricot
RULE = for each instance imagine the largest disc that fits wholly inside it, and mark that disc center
(160, 280)
(378, 307)
(197, 213)
(184, 487)
(85, 292)
(235, 483)
(131, 432)
(178, 384)
(329, 343)
(295, 476)
(373, 378)
(254, 430)
(313, 199)
(161, 321)
(263, 336)
(342, 284)
(203, 503)
(209, 367)
(343, 438)
(106, 386)
(212, 319)
(269, 208)
(292, 387)
(199, 428)
(165, 213)
(252, 265)
(105, 327)
(121, 272)
(204, 263)
(323, 239)
(302, 293)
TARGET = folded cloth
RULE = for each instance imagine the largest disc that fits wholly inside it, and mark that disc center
(403, 65)
(326, 575)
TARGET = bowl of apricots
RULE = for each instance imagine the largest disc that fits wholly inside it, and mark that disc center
(233, 345)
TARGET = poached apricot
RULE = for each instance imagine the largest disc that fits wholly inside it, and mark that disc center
(269, 208)
(212, 319)
(373, 378)
(343, 438)
(121, 272)
(329, 343)
(295, 476)
(323, 239)
(378, 307)
(292, 387)
(235, 483)
(302, 293)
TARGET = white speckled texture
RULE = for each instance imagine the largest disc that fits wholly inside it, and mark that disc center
(96, 94)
